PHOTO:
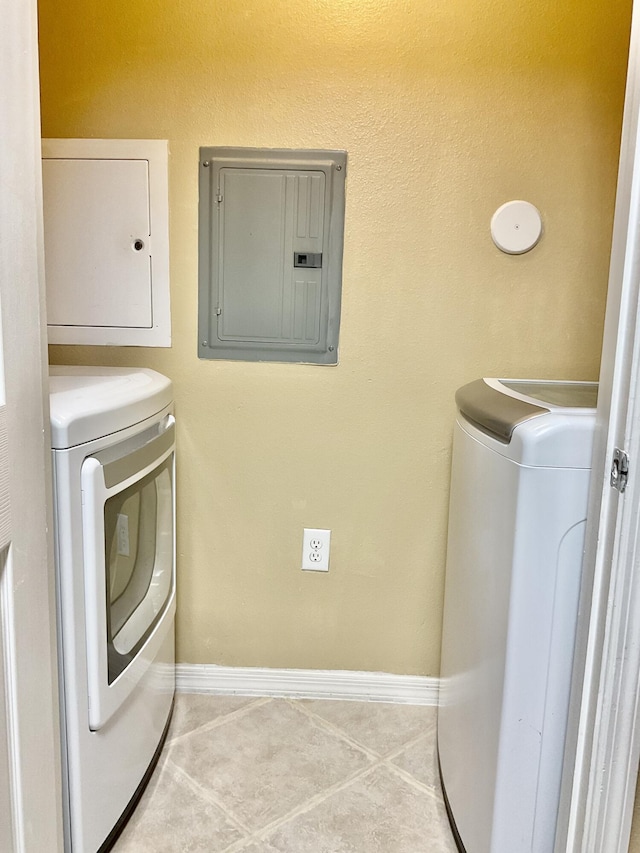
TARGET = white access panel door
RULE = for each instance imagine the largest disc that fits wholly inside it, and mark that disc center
(106, 234)
(97, 242)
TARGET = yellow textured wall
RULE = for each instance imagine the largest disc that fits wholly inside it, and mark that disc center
(634, 841)
(447, 108)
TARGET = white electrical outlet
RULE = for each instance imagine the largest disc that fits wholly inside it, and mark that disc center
(315, 550)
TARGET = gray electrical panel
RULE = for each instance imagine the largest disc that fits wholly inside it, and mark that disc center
(271, 225)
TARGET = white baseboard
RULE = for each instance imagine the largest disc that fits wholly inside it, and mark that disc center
(306, 684)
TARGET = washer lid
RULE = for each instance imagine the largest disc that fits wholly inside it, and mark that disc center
(534, 423)
(493, 410)
(90, 402)
(553, 394)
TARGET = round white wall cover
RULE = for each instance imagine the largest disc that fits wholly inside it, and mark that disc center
(516, 227)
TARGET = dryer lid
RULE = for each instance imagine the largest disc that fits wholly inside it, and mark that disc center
(90, 402)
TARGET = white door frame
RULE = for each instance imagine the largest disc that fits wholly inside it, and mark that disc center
(31, 803)
(603, 743)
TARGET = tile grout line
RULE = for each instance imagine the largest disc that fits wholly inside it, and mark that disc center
(303, 808)
(410, 779)
(410, 743)
(380, 760)
(334, 729)
(263, 833)
(256, 834)
(377, 760)
(208, 795)
(220, 721)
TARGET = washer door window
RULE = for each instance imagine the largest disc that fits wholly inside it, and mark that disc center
(129, 557)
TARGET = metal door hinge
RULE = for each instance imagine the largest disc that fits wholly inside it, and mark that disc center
(619, 470)
(219, 197)
(218, 311)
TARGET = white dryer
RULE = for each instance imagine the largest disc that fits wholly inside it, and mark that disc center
(519, 489)
(113, 440)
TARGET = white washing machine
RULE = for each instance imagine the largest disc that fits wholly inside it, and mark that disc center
(519, 489)
(113, 439)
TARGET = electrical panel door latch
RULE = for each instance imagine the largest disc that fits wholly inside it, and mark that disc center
(308, 260)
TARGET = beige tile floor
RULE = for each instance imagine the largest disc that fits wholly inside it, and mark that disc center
(285, 776)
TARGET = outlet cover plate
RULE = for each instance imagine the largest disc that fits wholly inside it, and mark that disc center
(315, 549)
